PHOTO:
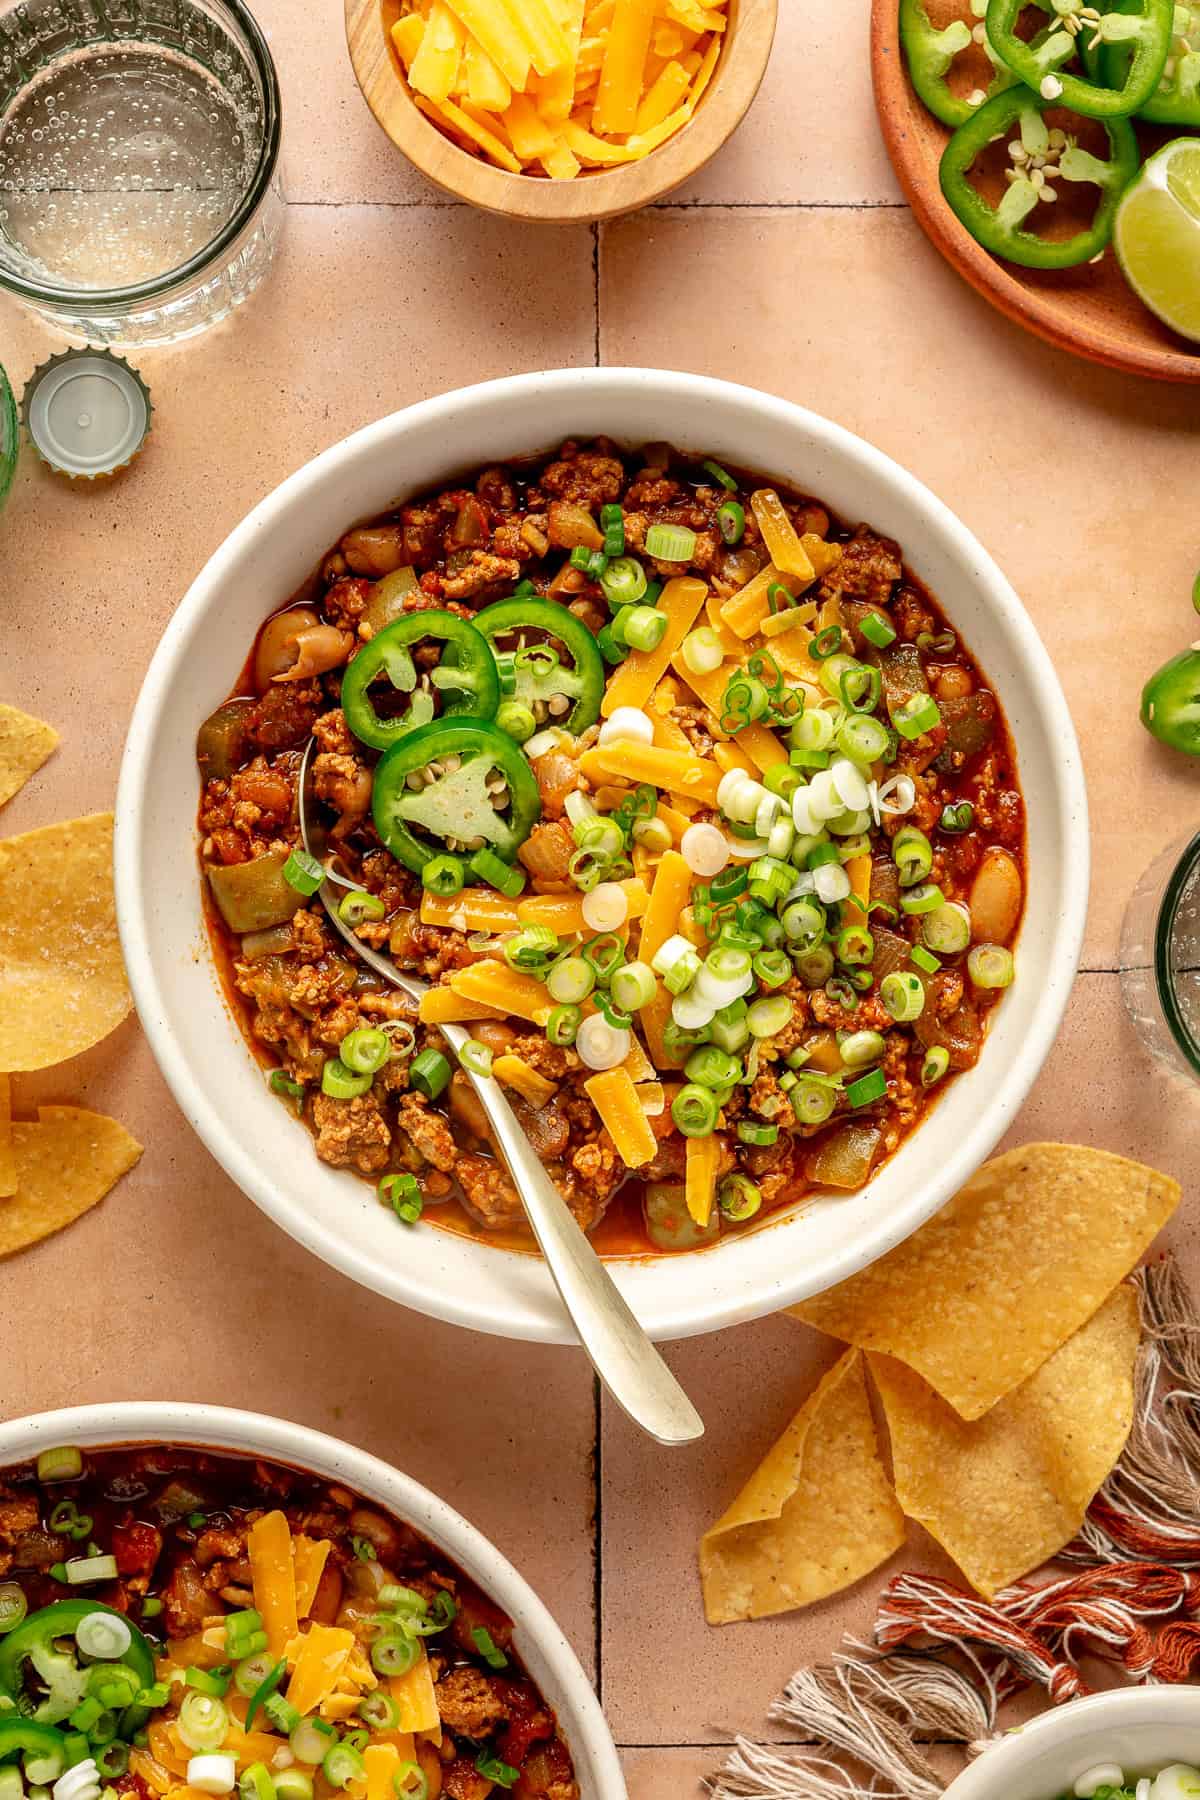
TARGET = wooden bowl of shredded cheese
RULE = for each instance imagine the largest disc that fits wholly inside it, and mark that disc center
(559, 110)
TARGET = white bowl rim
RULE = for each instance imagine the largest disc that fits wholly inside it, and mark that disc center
(733, 1304)
(538, 1636)
(1110, 1710)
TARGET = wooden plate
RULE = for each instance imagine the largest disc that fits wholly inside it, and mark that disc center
(1090, 310)
(599, 194)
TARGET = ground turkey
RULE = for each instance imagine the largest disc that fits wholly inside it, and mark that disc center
(352, 1134)
(469, 1703)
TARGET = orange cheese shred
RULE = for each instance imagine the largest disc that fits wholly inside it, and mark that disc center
(507, 989)
(442, 1006)
(563, 913)
(322, 1656)
(700, 1187)
(685, 774)
(474, 909)
(526, 1081)
(269, 1545)
(615, 1098)
(309, 1556)
(745, 611)
(625, 50)
(637, 677)
(414, 1695)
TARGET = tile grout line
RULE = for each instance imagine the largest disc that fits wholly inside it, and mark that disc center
(598, 1534)
(596, 291)
(431, 204)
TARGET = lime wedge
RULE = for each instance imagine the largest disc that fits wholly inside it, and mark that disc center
(1157, 235)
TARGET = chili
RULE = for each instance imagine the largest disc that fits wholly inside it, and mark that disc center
(930, 53)
(1171, 702)
(1176, 97)
(36, 1642)
(1146, 30)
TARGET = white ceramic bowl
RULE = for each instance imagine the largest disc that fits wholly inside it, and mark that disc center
(1141, 1729)
(541, 1645)
(197, 1043)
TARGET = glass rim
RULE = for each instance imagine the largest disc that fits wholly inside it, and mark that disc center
(1163, 977)
(86, 300)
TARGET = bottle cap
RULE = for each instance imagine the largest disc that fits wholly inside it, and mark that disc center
(87, 413)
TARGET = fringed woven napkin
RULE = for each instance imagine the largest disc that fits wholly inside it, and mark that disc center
(943, 1660)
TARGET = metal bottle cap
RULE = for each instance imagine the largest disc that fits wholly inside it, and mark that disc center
(87, 413)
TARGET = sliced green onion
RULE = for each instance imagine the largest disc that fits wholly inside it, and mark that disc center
(394, 1654)
(476, 1058)
(877, 630)
(731, 521)
(670, 543)
(804, 920)
(65, 1464)
(643, 627)
(562, 1027)
(923, 899)
(269, 1684)
(603, 836)
(633, 986)
(342, 1083)
(683, 972)
(252, 1669)
(814, 730)
(772, 968)
(958, 818)
(751, 1132)
(493, 1768)
(206, 1681)
(355, 908)
(921, 957)
(855, 945)
(826, 643)
(571, 981)
(530, 948)
(303, 872)
(858, 1048)
(903, 994)
(841, 989)
(379, 1711)
(862, 738)
(610, 647)
(767, 1018)
(867, 1088)
(730, 1029)
(255, 1783)
(937, 1061)
(912, 854)
(343, 1764)
(694, 1110)
(653, 835)
(365, 1049)
(293, 1784)
(410, 1782)
(947, 929)
(112, 1761)
(712, 1067)
(444, 876)
(283, 1715)
(516, 720)
(604, 956)
(13, 1606)
(812, 1101)
(203, 1722)
(738, 1198)
(429, 1073)
(859, 688)
(623, 581)
(614, 534)
(402, 1192)
(496, 873)
(490, 1651)
(95, 1568)
(990, 966)
(722, 477)
(310, 1740)
(916, 715)
(588, 562)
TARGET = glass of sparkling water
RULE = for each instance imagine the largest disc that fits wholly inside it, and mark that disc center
(1160, 959)
(139, 198)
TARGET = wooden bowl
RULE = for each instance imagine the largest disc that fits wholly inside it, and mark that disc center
(599, 194)
(1091, 310)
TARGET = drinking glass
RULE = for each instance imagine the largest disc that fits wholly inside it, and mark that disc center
(139, 200)
(1160, 959)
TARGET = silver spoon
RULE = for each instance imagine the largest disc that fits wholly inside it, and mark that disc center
(621, 1354)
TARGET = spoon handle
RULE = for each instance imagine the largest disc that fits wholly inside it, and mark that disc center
(622, 1355)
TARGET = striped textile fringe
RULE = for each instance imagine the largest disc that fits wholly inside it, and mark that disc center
(943, 1659)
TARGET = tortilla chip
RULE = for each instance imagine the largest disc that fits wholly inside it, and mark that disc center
(8, 1160)
(817, 1514)
(65, 1164)
(62, 981)
(25, 743)
(1005, 1493)
(979, 1297)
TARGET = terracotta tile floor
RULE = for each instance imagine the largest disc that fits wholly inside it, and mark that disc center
(789, 263)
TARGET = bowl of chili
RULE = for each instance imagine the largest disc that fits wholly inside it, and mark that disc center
(468, 1275)
(183, 1581)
